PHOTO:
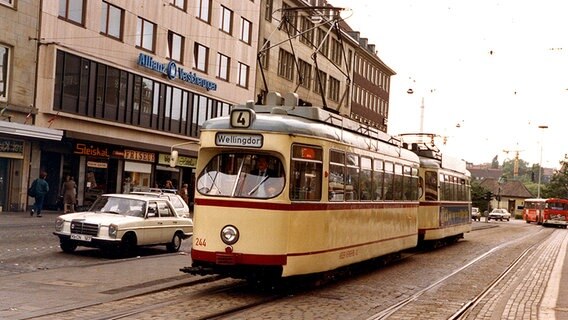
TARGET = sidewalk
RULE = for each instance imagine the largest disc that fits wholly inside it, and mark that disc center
(9, 217)
(44, 292)
(33, 294)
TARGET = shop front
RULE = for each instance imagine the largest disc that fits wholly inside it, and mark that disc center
(20, 160)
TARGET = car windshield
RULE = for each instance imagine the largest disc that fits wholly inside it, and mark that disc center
(242, 175)
(117, 205)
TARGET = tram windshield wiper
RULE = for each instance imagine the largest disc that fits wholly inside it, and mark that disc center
(258, 185)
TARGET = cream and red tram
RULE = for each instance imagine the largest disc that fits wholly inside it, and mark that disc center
(335, 196)
(445, 204)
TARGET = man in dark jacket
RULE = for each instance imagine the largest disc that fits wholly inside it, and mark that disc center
(41, 188)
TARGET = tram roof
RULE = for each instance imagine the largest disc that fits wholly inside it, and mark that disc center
(316, 122)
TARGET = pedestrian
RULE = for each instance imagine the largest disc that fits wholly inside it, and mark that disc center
(69, 194)
(169, 185)
(38, 190)
(184, 193)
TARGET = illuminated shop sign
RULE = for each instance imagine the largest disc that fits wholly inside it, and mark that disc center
(11, 149)
(93, 151)
(139, 155)
(172, 71)
(181, 162)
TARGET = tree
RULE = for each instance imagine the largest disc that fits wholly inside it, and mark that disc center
(509, 170)
(478, 194)
(558, 185)
(495, 162)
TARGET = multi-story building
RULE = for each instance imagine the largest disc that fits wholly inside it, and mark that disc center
(127, 81)
(301, 50)
(305, 47)
(371, 85)
(20, 140)
(103, 90)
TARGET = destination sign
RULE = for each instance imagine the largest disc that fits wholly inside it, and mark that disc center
(238, 140)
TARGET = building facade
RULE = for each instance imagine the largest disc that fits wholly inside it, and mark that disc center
(302, 50)
(20, 140)
(306, 47)
(104, 90)
(127, 81)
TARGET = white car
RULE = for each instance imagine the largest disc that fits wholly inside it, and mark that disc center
(177, 201)
(475, 214)
(499, 214)
(123, 222)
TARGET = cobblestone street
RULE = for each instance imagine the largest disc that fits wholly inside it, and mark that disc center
(528, 291)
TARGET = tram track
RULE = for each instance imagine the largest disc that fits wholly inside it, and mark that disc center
(199, 300)
(467, 306)
(226, 298)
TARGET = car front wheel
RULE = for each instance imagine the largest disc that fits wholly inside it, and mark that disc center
(68, 246)
(175, 245)
(128, 246)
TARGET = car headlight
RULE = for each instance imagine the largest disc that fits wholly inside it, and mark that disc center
(229, 234)
(112, 231)
(59, 224)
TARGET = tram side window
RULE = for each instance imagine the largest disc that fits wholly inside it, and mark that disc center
(415, 184)
(366, 179)
(455, 187)
(306, 173)
(378, 175)
(463, 189)
(410, 184)
(389, 181)
(397, 182)
(431, 182)
(445, 187)
(352, 181)
(336, 176)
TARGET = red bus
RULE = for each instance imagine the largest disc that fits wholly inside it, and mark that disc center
(551, 211)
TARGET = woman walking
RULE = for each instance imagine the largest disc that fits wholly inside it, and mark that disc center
(69, 194)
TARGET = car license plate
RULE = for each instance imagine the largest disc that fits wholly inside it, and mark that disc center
(81, 237)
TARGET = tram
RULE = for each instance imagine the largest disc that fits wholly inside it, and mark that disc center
(285, 190)
(445, 205)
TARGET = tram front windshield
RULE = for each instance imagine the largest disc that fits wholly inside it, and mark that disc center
(242, 175)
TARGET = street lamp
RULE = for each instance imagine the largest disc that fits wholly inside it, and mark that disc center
(540, 164)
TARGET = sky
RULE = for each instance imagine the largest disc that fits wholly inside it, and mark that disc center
(490, 73)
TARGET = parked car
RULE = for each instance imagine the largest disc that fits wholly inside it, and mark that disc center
(177, 201)
(475, 214)
(122, 223)
(499, 214)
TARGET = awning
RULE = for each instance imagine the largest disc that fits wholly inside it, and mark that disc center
(31, 131)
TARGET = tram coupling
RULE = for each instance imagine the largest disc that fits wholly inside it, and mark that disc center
(198, 271)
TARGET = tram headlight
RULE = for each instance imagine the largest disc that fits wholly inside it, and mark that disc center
(229, 234)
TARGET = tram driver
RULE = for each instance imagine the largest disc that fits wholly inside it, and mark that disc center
(265, 184)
